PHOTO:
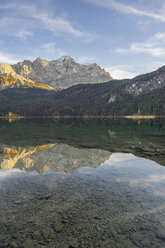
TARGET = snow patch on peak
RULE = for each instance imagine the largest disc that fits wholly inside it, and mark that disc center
(66, 59)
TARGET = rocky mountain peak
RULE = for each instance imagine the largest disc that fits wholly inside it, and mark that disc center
(65, 59)
(26, 62)
(6, 69)
(61, 73)
(40, 61)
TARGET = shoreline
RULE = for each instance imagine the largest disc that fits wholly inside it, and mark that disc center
(87, 116)
(16, 117)
(141, 117)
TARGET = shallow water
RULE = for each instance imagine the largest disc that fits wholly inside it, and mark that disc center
(81, 190)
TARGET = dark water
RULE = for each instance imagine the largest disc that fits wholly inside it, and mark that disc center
(82, 183)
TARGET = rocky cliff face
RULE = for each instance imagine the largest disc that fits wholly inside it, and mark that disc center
(61, 73)
(10, 79)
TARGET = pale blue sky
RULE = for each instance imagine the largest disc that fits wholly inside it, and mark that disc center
(126, 37)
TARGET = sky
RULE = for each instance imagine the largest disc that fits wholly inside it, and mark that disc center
(126, 37)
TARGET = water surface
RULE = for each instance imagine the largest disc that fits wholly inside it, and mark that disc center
(82, 183)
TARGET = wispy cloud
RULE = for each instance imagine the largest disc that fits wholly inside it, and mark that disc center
(15, 26)
(126, 9)
(58, 24)
(121, 71)
(24, 17)
(86, 60)
(6, 58)
(51, 48)
(154, 46)
(23, 34)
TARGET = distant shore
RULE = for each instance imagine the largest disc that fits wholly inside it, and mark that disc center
(12, 117)
(141, 116)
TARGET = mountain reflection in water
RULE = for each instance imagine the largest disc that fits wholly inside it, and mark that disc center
(34, 136)
(81, 190)
(53, 157)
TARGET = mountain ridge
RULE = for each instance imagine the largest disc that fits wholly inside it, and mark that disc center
(61, 73)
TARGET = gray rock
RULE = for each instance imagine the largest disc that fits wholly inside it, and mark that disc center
(61, 73)
(73, 243)
(46, 232)
(13, 244)
(37, 235)
(28, 244)
(160, 233)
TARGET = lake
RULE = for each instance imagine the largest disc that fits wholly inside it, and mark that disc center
(82, 182)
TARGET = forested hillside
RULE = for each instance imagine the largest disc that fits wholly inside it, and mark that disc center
(95, 100)
(145, 93)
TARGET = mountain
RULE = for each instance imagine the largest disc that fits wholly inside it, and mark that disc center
(10, 79)
(117, 98)
(61, 73)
